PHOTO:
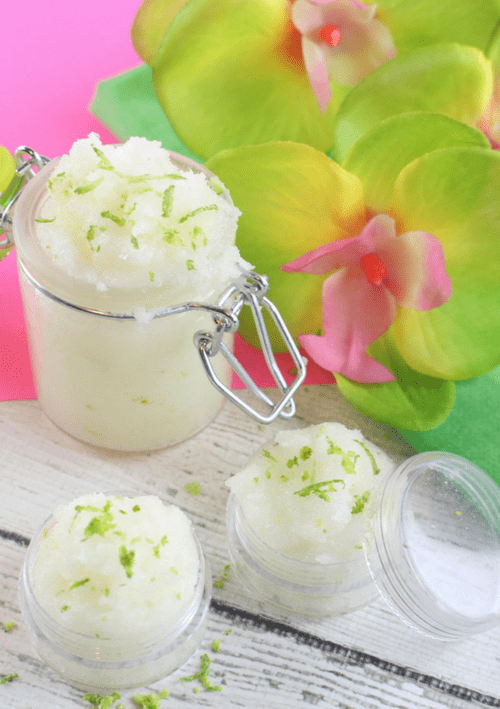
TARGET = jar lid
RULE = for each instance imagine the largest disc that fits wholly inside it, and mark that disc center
(433, 545)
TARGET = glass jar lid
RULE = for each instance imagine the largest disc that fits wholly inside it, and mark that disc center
(433, 545)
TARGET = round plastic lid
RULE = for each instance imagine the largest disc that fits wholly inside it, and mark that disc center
(433, 545)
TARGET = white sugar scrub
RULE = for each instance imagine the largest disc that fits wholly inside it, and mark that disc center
(115, 588)
(296, 518)
(125, 230)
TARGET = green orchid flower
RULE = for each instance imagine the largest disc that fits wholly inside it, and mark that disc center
(238, 72)
(414, 211)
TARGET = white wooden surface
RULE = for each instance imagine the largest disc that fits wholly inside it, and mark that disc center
(365, 660)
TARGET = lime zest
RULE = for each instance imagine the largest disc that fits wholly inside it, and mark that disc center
(99, 524)
(127, 560)
(151, 701)
(375, 468)
(206, 208)
(320, 489)
(79, 583)
(268, 455)
(190, 265)
(215, 644)
(167, 201)
(348, 459)
(99, 701)
(83, 189)
(104, 163)
(45, 221)
(193, 488)
(134, 241)
(8, 678)
(360, 503)
(202, 676)
(8, 626)
(109, 215)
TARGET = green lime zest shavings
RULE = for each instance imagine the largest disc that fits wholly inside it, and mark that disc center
(167, 201)
(215, 645)
(100, 524)
(172, 237)
(117, 220)
(223, 577)
(99, 701)
(206, 208)
(193, 488)
(151, 701)
(8, 626)
(134, 241)
(151, 276)
(83, 189)
(305, 453)
(268, 455)
(64, 608)
(292, 461)
(45, 221)
(348, 459)
(104, 163)
(127, 560)
(228, 631)
(321, 489)
(375, 468)
(202, 676)
(136, 508)
(360, 503)
(8, 678)
(79, 583)
(216, 185)
(190, 265)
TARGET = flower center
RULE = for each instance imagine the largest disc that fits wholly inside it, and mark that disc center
(330, 34)
(373, 268)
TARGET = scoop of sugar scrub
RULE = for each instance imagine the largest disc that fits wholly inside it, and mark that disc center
(305, 493)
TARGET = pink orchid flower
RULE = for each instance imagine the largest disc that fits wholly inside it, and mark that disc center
(341, 40)
(375, 273)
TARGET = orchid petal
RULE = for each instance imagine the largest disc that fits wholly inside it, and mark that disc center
(341, 253)
(380, 155)
(232, 73)
(413, 401)
(416, 270)
(293, 198)
(447, 78)
(316, 71)
(453, 194)
(150, 24)
(355, 313)
(306, 17)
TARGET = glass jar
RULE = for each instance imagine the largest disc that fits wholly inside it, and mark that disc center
(125, 658)
(431, 542)
(118, 369)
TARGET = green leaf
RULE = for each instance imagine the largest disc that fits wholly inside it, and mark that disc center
(454, 194)
(379, 156)
(451, 79)
(231, 73)
(293, 199)
(413, 401)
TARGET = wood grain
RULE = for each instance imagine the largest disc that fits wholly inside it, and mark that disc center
(365, 660)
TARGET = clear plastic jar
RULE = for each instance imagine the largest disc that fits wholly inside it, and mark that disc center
(117, 381)
(292, 585)
(431, 543)
(128, 658)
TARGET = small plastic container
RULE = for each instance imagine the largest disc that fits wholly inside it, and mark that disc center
(431, 548)
(128, 659)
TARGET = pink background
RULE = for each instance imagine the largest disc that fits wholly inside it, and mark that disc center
(56, 51)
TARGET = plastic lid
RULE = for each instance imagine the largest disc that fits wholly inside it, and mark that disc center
(433, 545)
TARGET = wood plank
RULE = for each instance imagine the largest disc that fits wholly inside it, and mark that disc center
(42, 467)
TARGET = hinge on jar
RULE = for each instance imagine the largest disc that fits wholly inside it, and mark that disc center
(28, 163)
(251, 290)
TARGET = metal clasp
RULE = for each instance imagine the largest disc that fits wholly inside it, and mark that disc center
(251, 290)
(28, 162)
